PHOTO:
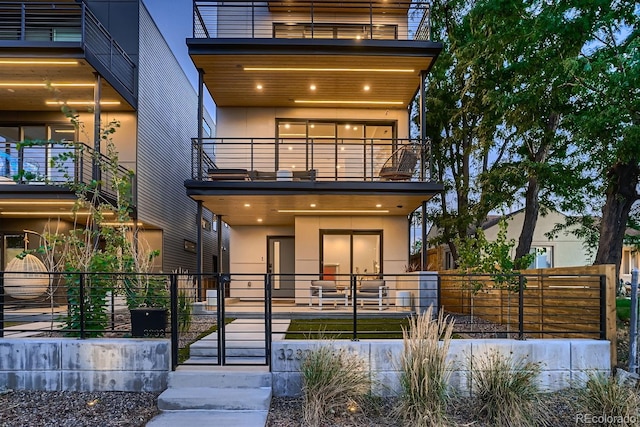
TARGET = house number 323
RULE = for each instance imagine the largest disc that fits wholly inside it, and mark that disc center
(291, 354)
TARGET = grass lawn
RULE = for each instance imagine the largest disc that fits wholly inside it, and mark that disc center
(374, 328)
(623, 309)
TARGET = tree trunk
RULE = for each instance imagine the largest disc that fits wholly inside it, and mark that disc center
(621, 195)
(531, 211)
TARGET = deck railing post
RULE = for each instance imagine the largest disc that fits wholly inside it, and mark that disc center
(520, 307)
(173, 295)
(353, 285)
(81, 303)
(267, 318)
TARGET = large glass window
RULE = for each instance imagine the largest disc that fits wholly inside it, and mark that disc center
(346, 252)
(35, 159)
(335, 150)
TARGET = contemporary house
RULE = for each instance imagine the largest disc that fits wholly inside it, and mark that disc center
(108, 61)
(317, 163)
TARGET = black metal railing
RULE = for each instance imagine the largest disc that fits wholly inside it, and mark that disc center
(232, 318)
(315, 19)
(315, 159)
(64, 22)
(60, 164)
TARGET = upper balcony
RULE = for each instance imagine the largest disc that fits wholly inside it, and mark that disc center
(310, 159)
(270, 53)
(52, 166)
(313, 19)
(50, 41)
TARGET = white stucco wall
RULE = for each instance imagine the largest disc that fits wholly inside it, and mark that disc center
(234, 122)
(248, 259)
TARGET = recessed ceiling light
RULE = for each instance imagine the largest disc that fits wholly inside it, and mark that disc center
(312, 87)
(347, 126)
(259, 219)
(313, 205)
(287, 126)
(355, 128)
(247, 205)
(378, 205)
(290, 148)
(313, 126)
(367, 87)
(259, 86)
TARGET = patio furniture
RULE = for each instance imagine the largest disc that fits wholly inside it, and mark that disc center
(326, 291)
(219, 174)
(373, 290)
(400, 166)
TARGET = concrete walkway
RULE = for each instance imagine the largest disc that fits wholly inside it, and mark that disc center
(234, 396)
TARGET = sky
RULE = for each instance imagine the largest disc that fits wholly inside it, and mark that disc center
(174, 18)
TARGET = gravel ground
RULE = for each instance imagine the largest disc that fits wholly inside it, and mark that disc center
(287, 412)
(76, 409)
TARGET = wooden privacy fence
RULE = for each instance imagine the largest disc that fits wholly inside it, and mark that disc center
(571, 302)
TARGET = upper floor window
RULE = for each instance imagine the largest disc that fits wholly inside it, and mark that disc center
(334, 31)
(543, 257)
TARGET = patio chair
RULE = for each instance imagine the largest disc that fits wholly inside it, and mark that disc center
(373, 290)
(400, 166)
(326, 291)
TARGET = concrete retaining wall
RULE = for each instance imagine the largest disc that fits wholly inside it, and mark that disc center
(110, 364)
(564, 362)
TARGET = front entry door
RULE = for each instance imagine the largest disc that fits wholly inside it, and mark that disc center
(281, 263)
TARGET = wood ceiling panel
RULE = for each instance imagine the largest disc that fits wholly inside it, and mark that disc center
(395, 7)
(231, 84)
(25, 98)
(234, 211)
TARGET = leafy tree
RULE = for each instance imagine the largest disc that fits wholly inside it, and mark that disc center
(606, 122)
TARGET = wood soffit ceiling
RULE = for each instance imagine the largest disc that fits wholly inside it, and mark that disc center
(235, 212)
(29, 98)
(335, 6)
(231, 85)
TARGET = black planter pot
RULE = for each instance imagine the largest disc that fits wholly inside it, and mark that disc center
(148, 322)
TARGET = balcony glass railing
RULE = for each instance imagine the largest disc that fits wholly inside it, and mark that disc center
(312, 159)
(58, 164)
(59, 22)
(312, 19)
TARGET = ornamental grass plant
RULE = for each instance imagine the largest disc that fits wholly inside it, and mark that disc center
(333, 380)
(505, 390)
(425, 371)
(609, 402)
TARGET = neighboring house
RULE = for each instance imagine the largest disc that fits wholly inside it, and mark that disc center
(111, 52)
(566, 250)
(313, 167)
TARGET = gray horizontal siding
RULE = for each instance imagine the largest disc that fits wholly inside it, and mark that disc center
(167, 120)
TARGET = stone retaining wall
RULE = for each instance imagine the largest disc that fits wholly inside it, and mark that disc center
(564, 362)
(110, 364)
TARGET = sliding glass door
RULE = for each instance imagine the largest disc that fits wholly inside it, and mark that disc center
(347, 252)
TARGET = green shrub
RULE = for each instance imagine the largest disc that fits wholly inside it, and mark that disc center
(604, 395)
(332, 380)
(424, 371)
(506, 391)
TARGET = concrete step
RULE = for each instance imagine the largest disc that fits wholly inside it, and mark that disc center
(227, 399)
(238, 377)
(209, 348)
(210, 418)
(236, 360)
